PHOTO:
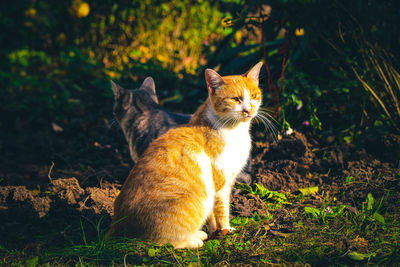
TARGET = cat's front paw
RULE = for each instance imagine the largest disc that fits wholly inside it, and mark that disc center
(228, 230)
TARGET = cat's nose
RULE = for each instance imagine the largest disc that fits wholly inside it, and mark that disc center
(247, 111)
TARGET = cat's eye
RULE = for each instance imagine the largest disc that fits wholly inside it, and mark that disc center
(236, 99)
(253, 96)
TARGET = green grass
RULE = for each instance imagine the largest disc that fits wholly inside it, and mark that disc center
(294, 233)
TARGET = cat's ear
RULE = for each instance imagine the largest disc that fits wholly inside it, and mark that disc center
(149, 86)
(117, 90)
(214, 81)
(254, 72)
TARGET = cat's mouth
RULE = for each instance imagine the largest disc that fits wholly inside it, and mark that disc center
(246, 117)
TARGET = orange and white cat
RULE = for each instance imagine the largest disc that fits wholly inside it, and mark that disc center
(185, 176)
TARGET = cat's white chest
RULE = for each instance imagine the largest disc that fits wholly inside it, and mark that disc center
(236, 151)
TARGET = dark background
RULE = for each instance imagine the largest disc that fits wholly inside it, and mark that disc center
(340, 74)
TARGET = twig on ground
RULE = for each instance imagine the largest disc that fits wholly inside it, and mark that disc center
(49, 174)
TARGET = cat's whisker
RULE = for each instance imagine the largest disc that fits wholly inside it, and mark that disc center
(271, 119)
(226, 120)
(268, 112)
(221, 121)
(274, 133)
(259, 120)
(269, 125)
(230, 122)
(273, 124)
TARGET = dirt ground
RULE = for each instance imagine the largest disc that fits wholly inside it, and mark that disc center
(58, 186)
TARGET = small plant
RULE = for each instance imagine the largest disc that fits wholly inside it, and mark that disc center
(324, 213)
(350, 180)
(328, 210)
(370, 210)
(264, 193)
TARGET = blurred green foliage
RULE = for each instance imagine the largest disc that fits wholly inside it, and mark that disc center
(57, 57)
(348, 47)
(340, 73)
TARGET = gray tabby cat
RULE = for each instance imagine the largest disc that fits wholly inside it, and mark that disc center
(140, 116)
(142, 119)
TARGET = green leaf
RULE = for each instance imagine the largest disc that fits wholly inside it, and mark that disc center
(212, 246)
(285, 126)
(237, 221)
(378, 218)
(370, 201)
(339, 209)
(151, 252)
(348, 139)
(245, 187)
(309, 190)
(315, 122)
(261, 191)
(32, 262)
(350, 179)
(256, 217)
(378, 123)
(312, 211)
(360, 256)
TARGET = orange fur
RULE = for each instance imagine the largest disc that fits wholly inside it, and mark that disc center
(185, 176)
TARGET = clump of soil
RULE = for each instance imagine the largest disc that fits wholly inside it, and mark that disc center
(22, 203)
(62, 204)
(99, 201)
(284, 165)
(67, 189)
